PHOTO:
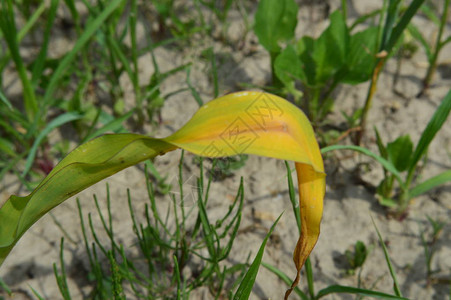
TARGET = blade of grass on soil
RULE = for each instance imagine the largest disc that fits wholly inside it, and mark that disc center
(245, 288)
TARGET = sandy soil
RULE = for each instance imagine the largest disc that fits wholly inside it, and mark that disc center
(349, 207)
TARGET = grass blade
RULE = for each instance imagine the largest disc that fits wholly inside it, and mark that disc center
(91, 28)
(8, 27)
(385, 163)
(352, 290)
(413, 30)
(430, 184)
(61, 279)
(292, 194)
(434, 125)
(38, 67)
(387, 259)
(113, 125)
(21, 34)
(57, 122)
(5, 287)
(245, 288)
(392, 15)
(402, 24)
(5, 101)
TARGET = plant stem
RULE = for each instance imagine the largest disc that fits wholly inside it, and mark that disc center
(313, 105)
(405, 197)
(438, 46)
(309, 272)
(369, 99)
(275, 80)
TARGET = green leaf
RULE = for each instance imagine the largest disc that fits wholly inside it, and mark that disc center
(361, 57)
(275, 21)
(380, 144)
(114, 125)
(413, 30)
(57, 122)
(87, 164)
(434, 125)
(7, 147)
(402, 24)
(333, 289)
(288, 66)
(387, 202)
(430, 14)
(385, 163)
(306, 48)
(10, 35)
(400, 152)
(390, 19)
(246, 285)
(360, 254)
(331, 48)
(38, 67)
(5, 101)
(430, 184)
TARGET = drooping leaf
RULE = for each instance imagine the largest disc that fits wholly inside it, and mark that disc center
(244, 122)
(275, 21)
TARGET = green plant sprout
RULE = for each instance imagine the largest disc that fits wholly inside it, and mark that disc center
(357, 257)
(428, 244)
(432, 51)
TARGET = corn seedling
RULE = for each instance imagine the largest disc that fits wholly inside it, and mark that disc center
(357, 257)
(400, 157)
(244, 122)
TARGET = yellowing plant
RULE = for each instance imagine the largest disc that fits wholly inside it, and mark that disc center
(244, 122)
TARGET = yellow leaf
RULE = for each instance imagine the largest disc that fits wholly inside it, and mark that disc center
(244, 122)
(267, 125)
